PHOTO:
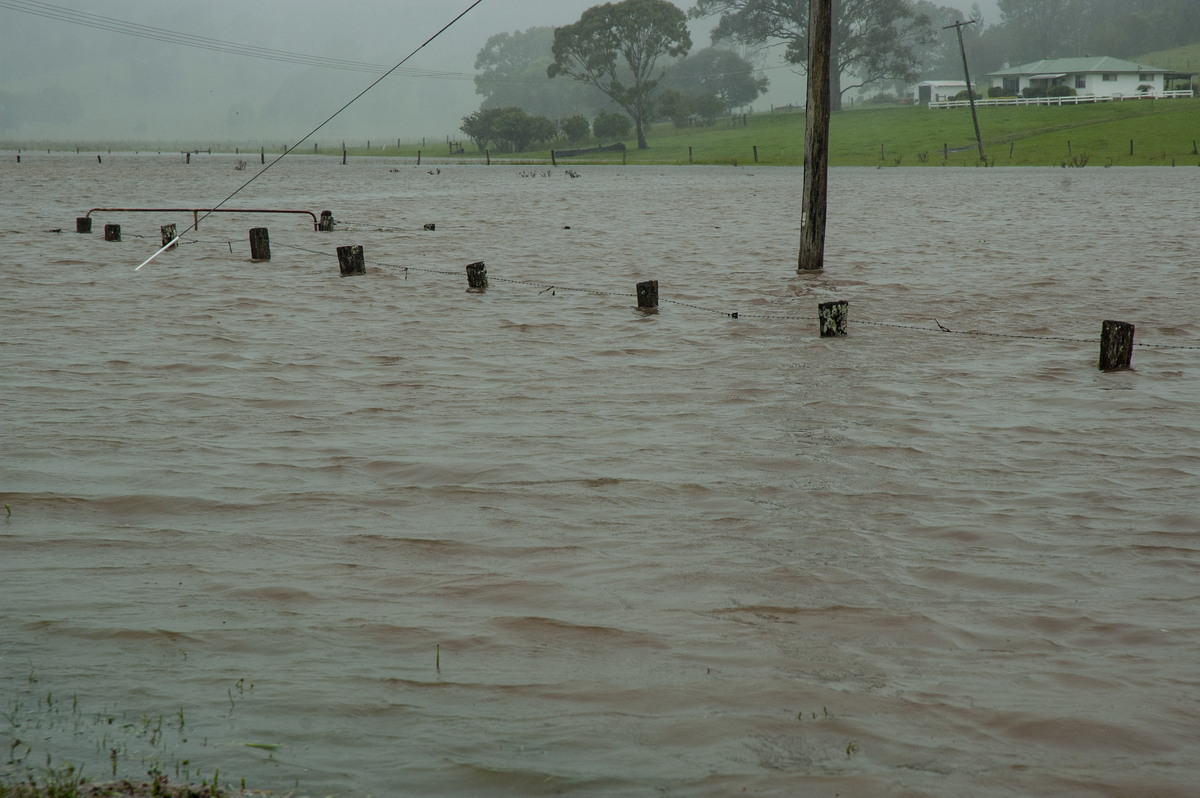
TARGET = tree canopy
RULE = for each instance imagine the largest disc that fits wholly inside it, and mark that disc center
(717, 72)
(1035, 29)
(873, 40)
(616, 48)
(511, 73)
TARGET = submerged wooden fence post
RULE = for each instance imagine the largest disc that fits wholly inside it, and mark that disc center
(647, 294)
(350, 260)
(833, 317)
(260, 244)
(169, 234)
(326, 223)
(112, 232)
(1116, 345)
(477, 279)
(83, 224)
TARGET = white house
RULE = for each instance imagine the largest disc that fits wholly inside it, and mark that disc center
(937, 91)
(1103, 77)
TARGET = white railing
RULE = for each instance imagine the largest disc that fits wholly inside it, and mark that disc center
(1082, 98)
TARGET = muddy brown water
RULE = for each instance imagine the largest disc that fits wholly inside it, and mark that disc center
(379, 536)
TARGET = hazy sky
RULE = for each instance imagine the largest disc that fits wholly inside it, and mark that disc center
(82, 81)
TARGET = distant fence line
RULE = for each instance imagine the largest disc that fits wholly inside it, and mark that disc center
(1081, 99)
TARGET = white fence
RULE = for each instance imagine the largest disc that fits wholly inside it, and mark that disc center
(1082, 98)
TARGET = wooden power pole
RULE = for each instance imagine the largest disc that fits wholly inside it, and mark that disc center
(816, 138)
(958, 26)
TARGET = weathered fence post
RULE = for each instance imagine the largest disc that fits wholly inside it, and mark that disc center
(326, 223)
(350, 260)
(814, 202)
(487, 155)
(260, 244)
(833, 318)
(553, 162)
(647, 294)
(689, 154)
(169, 234)
(756, 153)
(477, 279)
(1116, 345)
(112, 232)
(418, 156)
(83, 224)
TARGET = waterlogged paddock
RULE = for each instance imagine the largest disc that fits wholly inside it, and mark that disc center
(377, 535)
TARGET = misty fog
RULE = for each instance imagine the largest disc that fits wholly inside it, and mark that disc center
(82, 81)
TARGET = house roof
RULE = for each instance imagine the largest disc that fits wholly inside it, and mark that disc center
(1075, 65)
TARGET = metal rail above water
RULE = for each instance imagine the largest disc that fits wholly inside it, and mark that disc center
(197, 211)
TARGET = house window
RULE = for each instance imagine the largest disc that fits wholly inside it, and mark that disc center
(1012, 84)
(1080, 82)
(1109, 76)
(1145, 77)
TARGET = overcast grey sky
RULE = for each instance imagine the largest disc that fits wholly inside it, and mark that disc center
(85, 82)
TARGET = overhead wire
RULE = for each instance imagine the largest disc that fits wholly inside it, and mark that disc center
(128, 28)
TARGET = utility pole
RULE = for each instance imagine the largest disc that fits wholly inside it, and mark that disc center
(816, 138)
(958, 26)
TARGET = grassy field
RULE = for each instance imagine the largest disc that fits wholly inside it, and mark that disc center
(1162, 132)
(1159, 133)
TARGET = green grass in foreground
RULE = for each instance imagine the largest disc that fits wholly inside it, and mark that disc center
(1163, 134)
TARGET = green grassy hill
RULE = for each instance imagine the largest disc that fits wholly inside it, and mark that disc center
(1162, 132)
(1181, 59)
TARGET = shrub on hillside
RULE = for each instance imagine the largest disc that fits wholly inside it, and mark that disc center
(611, 125)
(574, 128)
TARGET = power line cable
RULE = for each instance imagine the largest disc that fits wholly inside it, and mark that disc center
(125, 27)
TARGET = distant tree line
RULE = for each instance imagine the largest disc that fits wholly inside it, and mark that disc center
(628, 59)
(1031, 30)
(633, 58)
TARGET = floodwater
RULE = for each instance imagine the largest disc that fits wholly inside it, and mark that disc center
(379, 535)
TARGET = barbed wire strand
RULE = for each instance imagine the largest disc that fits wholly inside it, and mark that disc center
(554, 287)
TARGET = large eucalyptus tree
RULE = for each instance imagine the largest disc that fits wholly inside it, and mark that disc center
(616, 47)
